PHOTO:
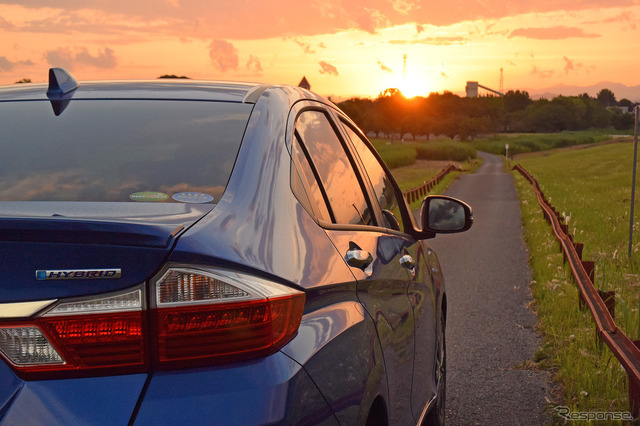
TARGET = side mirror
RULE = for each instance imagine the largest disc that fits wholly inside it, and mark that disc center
(445, 215)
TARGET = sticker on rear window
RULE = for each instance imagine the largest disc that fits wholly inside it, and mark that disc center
(149, 196)
(192, 197)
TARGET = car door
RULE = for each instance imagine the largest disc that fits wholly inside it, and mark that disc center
(353, 222)
(413, 255)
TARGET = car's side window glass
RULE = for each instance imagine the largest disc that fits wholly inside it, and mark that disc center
(347, 202)
(380, 181)
(305, 184)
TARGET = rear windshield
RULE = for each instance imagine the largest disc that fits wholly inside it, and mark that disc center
(119, 150)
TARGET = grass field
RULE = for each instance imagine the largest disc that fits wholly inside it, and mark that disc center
(592, 187)
(534, 142)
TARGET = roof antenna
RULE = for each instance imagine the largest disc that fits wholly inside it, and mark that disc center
(62, 86)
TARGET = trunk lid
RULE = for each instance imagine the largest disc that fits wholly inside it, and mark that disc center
(53, 250)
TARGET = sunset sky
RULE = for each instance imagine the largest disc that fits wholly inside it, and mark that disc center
(344, 47)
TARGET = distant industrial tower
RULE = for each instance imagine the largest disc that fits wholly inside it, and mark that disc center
(473, 86)
(472, 89)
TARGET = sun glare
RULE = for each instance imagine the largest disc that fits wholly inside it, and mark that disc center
(412, 86)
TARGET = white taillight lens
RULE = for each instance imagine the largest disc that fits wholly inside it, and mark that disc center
(27, 346)
(131, 301)
(206, 317)
(179, 286)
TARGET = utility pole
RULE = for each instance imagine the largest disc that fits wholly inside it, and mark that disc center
(404, 67)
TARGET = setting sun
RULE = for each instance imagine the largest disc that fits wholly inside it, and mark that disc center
(414, 85)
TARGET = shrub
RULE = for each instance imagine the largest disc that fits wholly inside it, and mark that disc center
(395, 154)
(446, 151)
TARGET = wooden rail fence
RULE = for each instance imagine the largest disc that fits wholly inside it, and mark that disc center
(419, 192)
(600, 303)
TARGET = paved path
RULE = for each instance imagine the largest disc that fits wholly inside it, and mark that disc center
(489, 328)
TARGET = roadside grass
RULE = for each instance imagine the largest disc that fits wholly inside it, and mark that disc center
(592, 187)
(520, 143)
(411, 177)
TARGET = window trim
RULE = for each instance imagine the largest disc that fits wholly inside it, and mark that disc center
(315, 172)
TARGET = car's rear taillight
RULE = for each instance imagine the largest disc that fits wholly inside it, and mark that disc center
(93, 336)
(197, 317)
(205, 317)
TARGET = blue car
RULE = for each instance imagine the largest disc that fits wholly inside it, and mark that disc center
(189, 252)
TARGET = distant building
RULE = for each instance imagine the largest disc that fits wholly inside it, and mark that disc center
(304, 83)
(624, 109)
(472, 89)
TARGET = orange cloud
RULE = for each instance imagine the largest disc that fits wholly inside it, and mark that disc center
(626, 18)
(254, 64)
(262, 19)
(541, 73)
(224, 55)
(308, 49)
(383, 67)
(68, 58)
(7, 65)
(327, 68)
(434, 41)
(552, 33)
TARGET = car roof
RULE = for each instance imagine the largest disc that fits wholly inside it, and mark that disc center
(174, 89)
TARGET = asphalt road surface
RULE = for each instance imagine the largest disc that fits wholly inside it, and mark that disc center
(490, 330)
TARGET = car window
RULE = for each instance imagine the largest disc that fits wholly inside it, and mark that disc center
(305, 184)
(344, 194)
(381, 182)
(119, 150)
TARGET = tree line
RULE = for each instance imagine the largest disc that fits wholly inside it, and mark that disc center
(391, 113)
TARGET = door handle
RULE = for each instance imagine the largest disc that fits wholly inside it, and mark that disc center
(358, 258)
(407, 262)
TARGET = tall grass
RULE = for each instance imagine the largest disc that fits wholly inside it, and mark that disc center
(592, 187)
(395, 154)
(533, 142)
(447, 150)
(399, 154)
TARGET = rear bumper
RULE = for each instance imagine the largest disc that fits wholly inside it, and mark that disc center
(95, 400)
(272, 390)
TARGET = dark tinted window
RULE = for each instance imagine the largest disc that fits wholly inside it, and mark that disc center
(109, 150)
(380, 181)
(344, 193)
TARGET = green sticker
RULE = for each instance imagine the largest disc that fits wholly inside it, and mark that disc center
(149, 196)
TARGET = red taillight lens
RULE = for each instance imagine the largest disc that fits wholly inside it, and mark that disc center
(202, 324)
(99, 340)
